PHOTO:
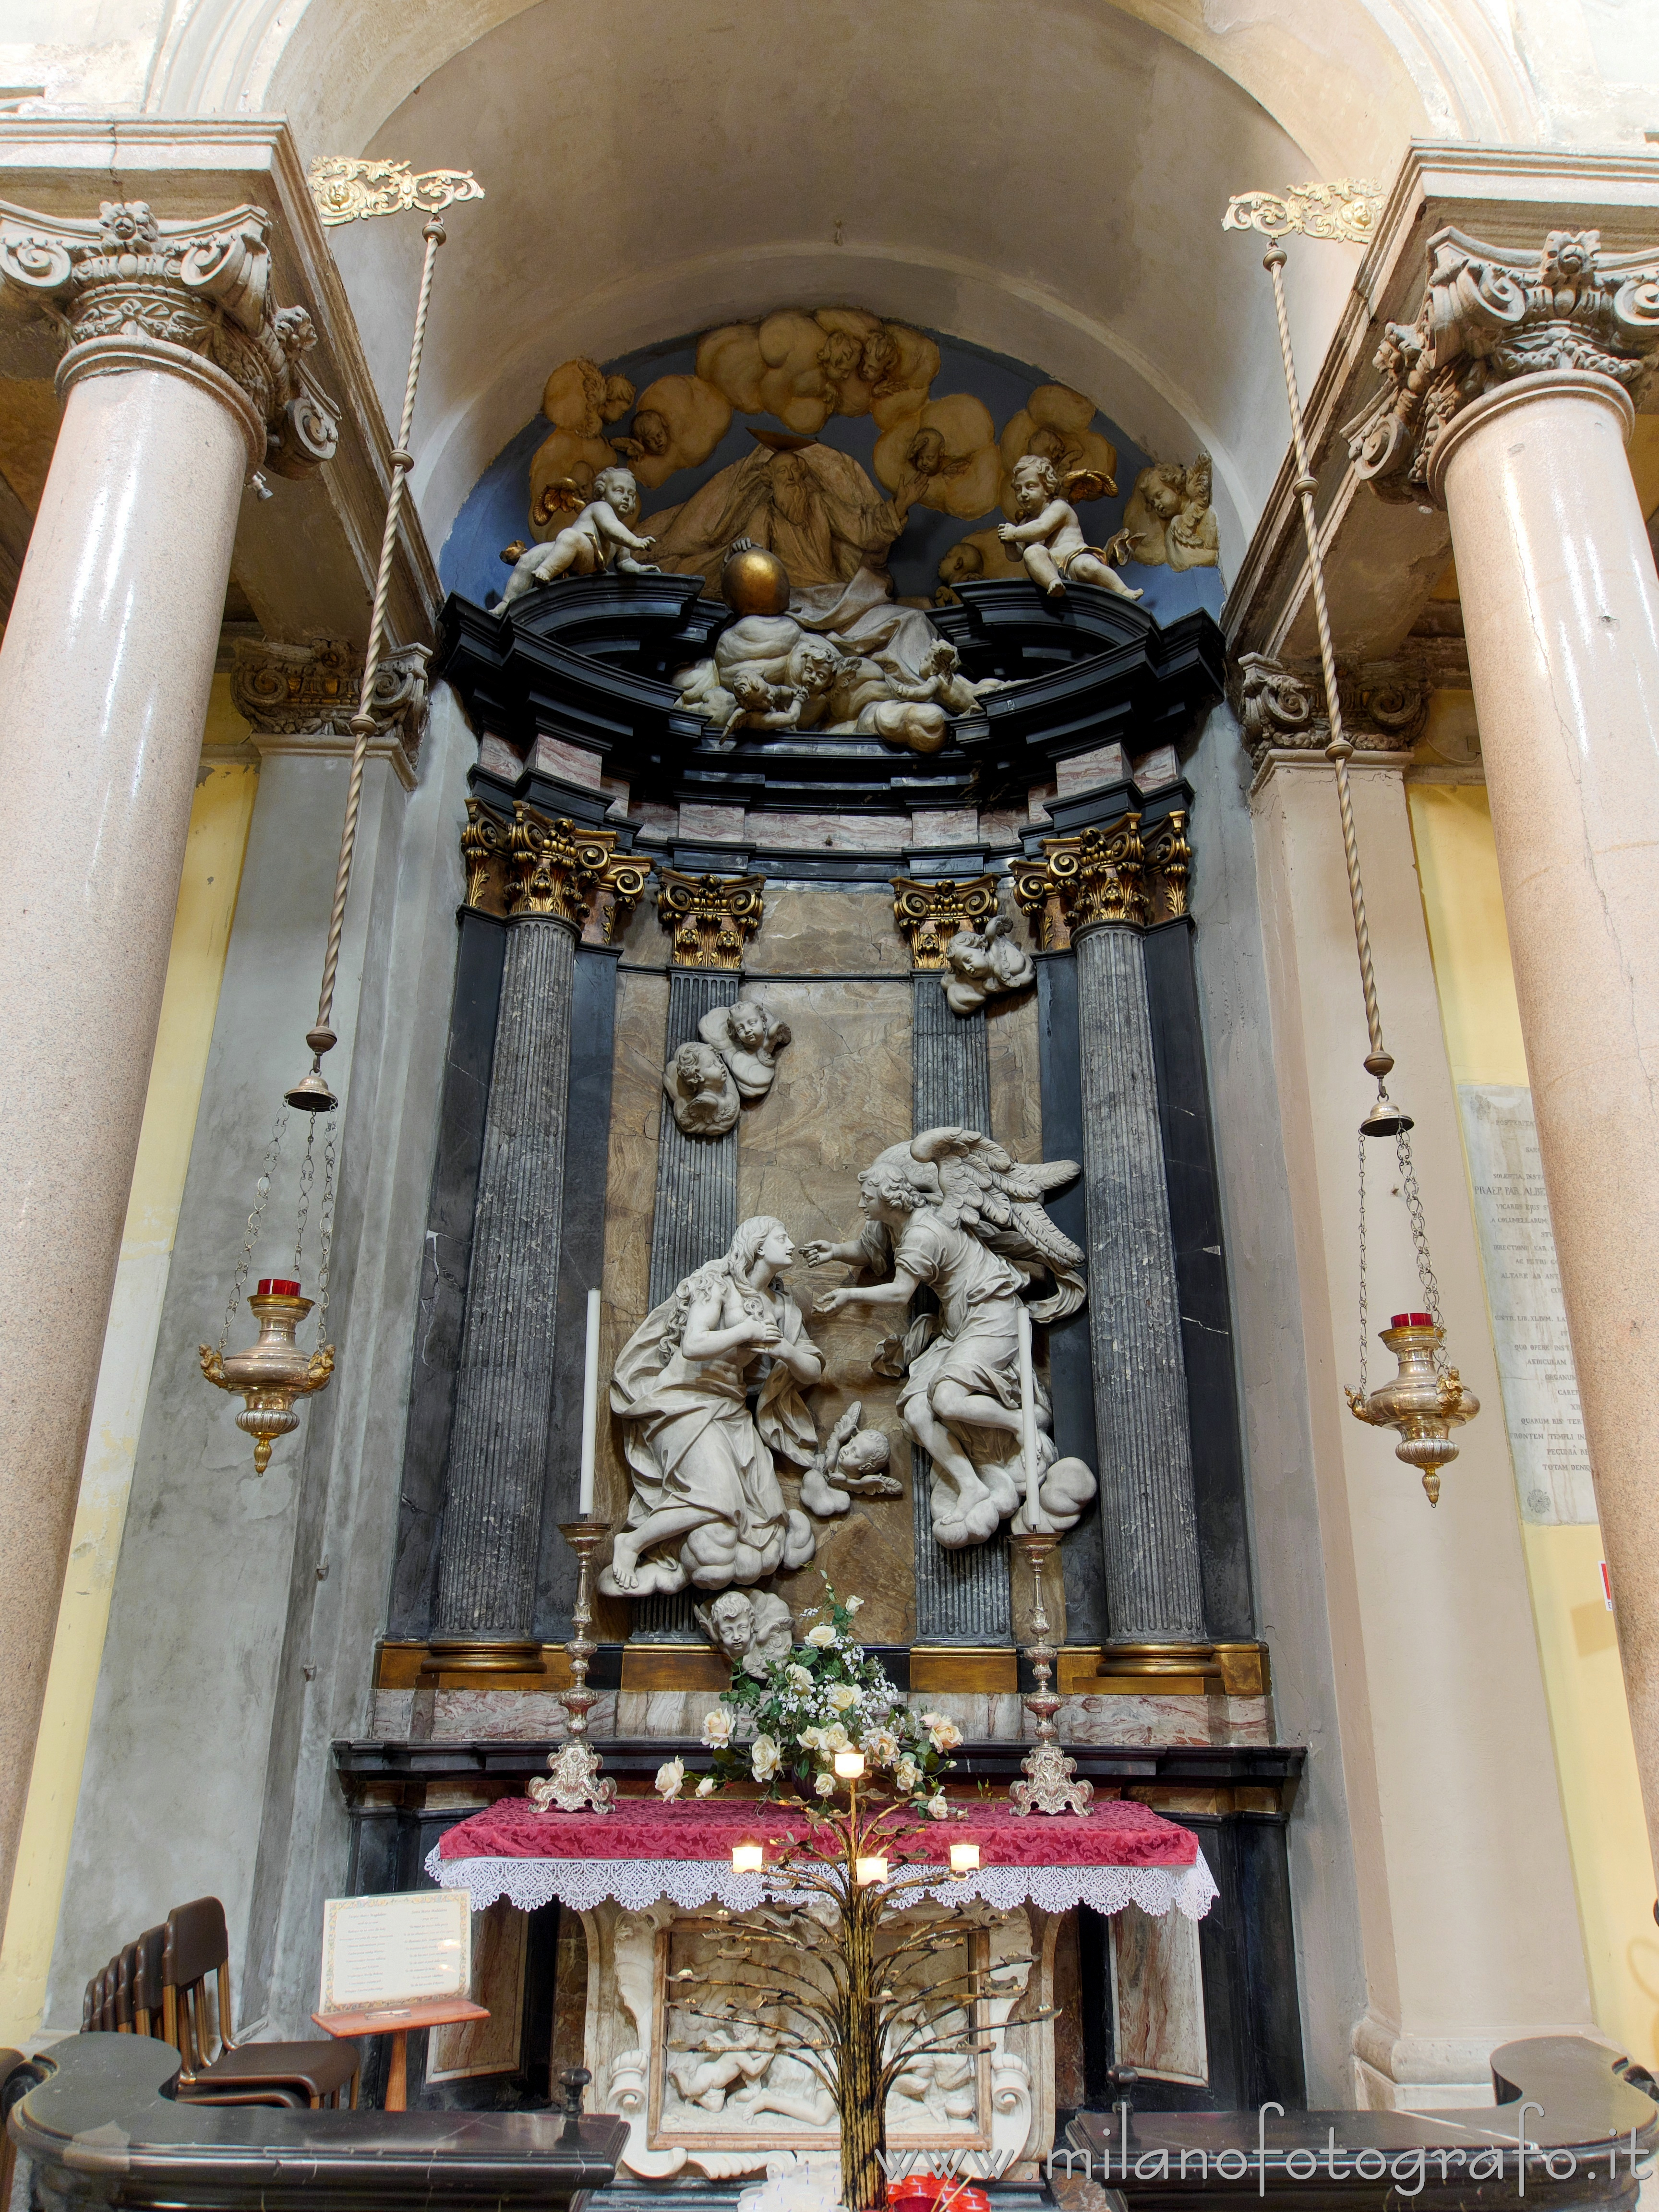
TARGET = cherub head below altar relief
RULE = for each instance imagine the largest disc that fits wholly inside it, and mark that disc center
(701, 1092)
(985, 961)
(754, 1628)
(597, 539)
(1048, 537)
(747, 1037)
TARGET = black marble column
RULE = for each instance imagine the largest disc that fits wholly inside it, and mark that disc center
(504, 1400)
(962, 1597)
(1148, 1519)
(694, 1219)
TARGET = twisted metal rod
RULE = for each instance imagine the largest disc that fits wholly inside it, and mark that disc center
(321, 1038)
(1339, 750)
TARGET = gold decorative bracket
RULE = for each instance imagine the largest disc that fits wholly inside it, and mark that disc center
(347, 191)
(930, 913)
(1347, 211)
(1169, 866)
(1082, 881)
(712, 917)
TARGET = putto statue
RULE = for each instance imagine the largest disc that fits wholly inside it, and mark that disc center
(852, 1462)
(598, 538)
(753, 1628)
(984, 962)
(1048, 536)
(954, 1211)
(701, 1096)
(748, 1037)
(706, 1508)
(1169, 519)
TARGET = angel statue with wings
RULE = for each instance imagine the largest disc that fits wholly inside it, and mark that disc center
(954, 1211)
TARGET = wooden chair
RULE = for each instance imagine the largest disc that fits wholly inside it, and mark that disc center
(195, 1946)
(123, 1964)
(147, 1983)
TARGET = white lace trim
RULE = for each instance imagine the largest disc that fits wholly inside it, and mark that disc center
(635, 1883)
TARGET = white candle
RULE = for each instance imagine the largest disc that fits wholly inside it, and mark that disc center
(1028, 1435)
(590, 1406)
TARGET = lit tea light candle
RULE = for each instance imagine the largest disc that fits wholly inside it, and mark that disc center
(964, 1858)
(849, 1764)
(748, 1858)
(871, 1871)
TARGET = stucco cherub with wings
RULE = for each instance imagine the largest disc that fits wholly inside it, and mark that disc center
(952, 1210)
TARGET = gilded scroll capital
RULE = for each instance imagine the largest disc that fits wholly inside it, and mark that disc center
(712, 917)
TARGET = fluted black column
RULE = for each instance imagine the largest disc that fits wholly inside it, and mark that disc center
(1154, 1586)
(498, 1443)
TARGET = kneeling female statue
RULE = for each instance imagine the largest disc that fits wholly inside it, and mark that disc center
(706, 1508)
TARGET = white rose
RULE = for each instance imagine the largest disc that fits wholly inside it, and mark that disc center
(856, 1605)
(822, 1635)
(906, 1775)
(763, 1758)
(945, 1733)
(882, 1746)
(841, 1695)
(834, 1739)
(800, 1678)
(717, 1729)
(671, 1777)
(810, 1739)
(825, 1786)
(708, 1786)
(938, 1808)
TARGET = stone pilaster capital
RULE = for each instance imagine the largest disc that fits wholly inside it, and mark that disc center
(545, 867)
(128, 291)
(1083, 882)
(311, 691)
(1490, 316)
(929, 912)
(713, 917)
(1282, 706)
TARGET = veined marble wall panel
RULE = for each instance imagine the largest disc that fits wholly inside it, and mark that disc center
(841, 1093)
(1010, 1031)
(636, 1101)
(813, 929)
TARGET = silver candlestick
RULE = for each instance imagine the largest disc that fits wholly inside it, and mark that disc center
(1049, 1786)
(574, 1781)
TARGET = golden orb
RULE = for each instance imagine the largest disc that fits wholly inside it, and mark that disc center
(755, 582)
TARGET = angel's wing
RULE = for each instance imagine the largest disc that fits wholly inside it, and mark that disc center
(1080, 485)
(999, 1199)
(564, 497)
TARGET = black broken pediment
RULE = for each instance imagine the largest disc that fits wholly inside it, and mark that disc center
(590, 661)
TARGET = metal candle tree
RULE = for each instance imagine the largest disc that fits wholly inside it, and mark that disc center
(272, 1373)
(829, 1952)
(1426, 1400)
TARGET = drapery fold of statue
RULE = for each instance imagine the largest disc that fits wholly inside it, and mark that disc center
(952, 1212)
(706, 1508)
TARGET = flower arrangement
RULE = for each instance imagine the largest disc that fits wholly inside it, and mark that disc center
(784, 1729)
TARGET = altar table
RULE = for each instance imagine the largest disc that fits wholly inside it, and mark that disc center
(1119, 1853)
(720, 2098)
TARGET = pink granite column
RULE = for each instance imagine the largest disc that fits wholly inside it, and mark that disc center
(104, 677)
(1561, 611)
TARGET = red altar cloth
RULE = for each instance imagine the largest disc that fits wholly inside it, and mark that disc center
(1116, 1833)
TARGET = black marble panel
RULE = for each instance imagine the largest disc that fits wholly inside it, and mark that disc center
(581, 1262)
(445, 1263)
(1071, 1376)
(1206, 1333)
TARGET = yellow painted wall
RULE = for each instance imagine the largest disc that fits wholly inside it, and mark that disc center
(219, 823)
(1594, 1758)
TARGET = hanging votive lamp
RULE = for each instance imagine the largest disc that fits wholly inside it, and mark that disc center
(274, 1372)
(1424, 1402)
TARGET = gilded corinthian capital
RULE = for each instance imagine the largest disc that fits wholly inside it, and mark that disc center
(1080, 882)
(126, 290)
(543, 864)
(1489, 316)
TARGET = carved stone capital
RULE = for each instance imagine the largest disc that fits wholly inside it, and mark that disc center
(1489, 316)
(311, 691)
(1082, 881)
(1385, 705)
(930, 912)
(127, 290)
(541, 864)
(713, 917)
